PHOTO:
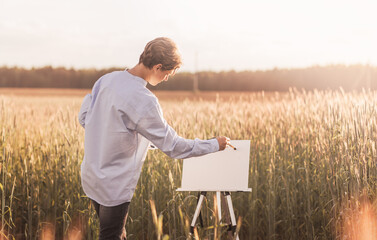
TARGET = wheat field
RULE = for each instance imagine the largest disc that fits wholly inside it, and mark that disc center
(312, 168)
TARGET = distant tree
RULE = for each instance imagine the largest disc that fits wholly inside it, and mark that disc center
(354, 77)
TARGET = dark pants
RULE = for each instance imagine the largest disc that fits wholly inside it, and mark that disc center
(112, 221)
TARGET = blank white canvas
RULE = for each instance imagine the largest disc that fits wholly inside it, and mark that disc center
(226, 170)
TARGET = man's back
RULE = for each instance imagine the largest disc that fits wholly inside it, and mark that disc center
(114, 151)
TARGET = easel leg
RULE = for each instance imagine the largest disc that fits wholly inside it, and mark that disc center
(197, 211)
(231, 213)
(218, 198)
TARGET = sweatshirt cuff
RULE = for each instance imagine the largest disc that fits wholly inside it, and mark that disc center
(214, 145)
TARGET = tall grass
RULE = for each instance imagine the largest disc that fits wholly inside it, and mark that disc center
(312, 166)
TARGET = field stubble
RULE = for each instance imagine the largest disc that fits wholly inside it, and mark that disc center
(312, 168)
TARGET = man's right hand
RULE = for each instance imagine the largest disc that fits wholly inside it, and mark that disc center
(222, 142)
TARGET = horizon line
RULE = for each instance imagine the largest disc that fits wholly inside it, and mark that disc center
(193, 72)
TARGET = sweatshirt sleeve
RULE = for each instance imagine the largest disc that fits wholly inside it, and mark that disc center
(84, 109)
(154, 127)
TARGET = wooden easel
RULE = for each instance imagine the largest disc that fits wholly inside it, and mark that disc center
(233, 224)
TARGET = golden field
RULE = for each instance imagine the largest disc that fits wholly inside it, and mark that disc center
(312, 166)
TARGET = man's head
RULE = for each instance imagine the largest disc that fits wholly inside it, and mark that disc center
(162, 57)
(161, 51)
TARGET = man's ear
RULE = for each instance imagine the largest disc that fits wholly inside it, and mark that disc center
(157, 66)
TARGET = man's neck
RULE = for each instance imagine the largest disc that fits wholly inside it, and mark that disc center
(140, 71)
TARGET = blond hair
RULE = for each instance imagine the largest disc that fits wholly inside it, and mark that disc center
(162, 51)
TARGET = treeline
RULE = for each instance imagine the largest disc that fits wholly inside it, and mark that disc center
(353, 77)
(49, 77)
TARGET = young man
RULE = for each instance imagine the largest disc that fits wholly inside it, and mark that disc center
(121, 117)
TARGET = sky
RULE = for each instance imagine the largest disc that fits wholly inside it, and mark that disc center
(213, 35)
